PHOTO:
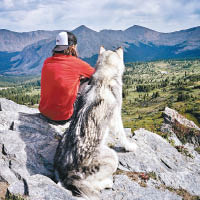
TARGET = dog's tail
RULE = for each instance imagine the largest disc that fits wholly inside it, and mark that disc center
(78, 184)
(84, 191)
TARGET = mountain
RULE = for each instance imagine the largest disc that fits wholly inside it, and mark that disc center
(31, 58)
(13, 41)
(24, 53)
(14, 49)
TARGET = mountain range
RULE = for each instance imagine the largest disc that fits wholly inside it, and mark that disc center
(24, 53)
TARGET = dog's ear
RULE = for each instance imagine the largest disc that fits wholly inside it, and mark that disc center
(102, 49)
(120, 52)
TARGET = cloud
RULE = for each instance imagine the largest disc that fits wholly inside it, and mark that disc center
(163, 16)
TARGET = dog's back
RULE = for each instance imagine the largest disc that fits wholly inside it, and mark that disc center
(85, 132)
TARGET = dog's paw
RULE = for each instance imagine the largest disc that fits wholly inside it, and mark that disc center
(109, 183)
(106, 184)
(131, 146)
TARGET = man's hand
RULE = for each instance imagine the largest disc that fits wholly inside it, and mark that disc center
(81, 77)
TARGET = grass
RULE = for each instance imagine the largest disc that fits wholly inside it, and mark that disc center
(197, 149)
(183, 193)
(184, 151)
(13, 81)
(140, 177)
(171, 80)
(4, 195)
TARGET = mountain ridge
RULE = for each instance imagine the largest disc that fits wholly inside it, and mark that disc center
(84, 26)
(139, 43)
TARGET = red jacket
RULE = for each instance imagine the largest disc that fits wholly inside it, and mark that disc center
(60, 82)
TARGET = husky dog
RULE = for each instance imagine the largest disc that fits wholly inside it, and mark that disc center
(83, 162)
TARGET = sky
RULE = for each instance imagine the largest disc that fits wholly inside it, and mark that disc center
(160, 15)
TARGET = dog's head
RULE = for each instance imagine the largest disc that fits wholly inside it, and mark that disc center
(110, 62)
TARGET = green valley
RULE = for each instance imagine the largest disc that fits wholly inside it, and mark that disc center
(151, 86)
(148, 88)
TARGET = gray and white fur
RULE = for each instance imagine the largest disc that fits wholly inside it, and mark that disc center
(83, 161)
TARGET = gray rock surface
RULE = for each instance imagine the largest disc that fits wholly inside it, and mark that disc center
(38, 187)
(8, 105)
(124, 188)
(27, 147)
(172, 168)
(27, 143)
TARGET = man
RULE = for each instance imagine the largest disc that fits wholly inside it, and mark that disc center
(60, 79)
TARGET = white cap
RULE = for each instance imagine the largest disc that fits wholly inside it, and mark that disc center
(62, 38)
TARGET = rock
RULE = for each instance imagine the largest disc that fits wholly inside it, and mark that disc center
(184, 129)
(38, 187)
(167, 128)
(28, 154)
(126, 189)
(170, 116)
(171, 167)
(3, 189)
(8, 105)
(28, 144)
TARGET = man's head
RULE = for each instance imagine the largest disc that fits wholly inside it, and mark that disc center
(66, 43)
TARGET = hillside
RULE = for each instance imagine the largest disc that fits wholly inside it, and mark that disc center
(148, 87)
(24, 53)
(151, 86)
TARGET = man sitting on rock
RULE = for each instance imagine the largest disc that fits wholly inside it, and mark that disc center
(60, 79)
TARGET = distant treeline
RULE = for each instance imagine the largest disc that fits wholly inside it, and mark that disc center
(24, 93)
(8, 81)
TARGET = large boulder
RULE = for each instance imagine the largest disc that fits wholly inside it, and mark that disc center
(171, 116)
(156, 170)
(174, 123)
(27, 147)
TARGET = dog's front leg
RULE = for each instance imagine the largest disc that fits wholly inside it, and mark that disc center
(118, 128)
(129, 146)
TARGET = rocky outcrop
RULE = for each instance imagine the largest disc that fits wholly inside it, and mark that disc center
(171, 116)
(156, 170)
(27, 147)
(174, 123)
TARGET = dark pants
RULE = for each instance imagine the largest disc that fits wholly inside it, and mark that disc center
(55, 122)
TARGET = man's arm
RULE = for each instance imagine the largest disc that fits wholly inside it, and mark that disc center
(86, 70)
